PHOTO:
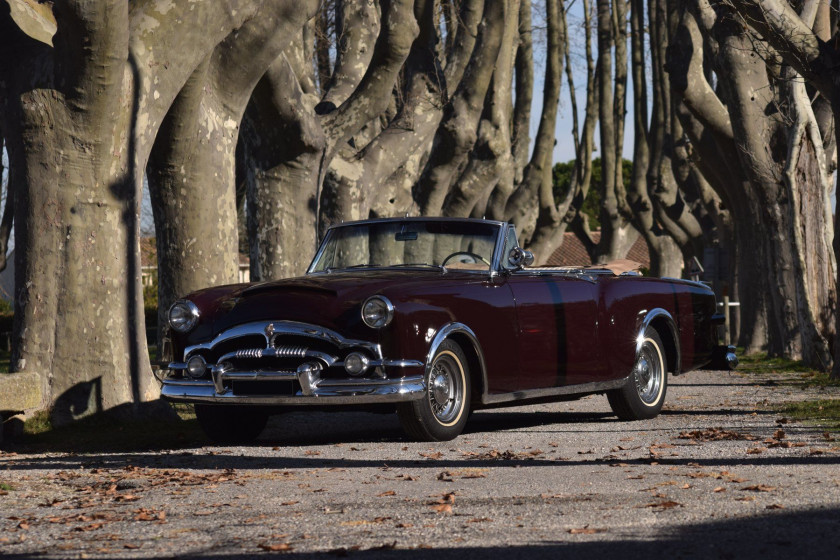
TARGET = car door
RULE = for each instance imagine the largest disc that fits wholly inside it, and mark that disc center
(557, 316)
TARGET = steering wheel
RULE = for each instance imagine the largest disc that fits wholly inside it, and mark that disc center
(474, 256)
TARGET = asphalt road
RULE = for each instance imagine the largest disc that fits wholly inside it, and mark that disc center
(718, 475)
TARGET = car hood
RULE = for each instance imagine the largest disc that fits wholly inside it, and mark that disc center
(330, 300)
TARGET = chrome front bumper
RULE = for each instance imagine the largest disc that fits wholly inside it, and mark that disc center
(322, 392)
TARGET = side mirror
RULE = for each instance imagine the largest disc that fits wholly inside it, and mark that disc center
(519, 257)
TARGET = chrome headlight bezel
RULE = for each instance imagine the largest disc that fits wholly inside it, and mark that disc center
(377, 312)
(183, 316)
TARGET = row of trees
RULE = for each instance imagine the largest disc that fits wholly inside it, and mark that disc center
(315, 112)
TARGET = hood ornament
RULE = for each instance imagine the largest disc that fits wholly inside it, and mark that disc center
(269, 330)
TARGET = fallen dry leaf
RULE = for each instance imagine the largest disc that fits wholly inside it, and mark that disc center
(442, 508)
(775, 506)
(586, 531)
(275, 547)
(668, 504)
(434, 456)
(714, 434)
(388, 493)
(756, 450)
(758, 488)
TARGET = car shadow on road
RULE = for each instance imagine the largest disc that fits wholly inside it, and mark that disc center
(298, 429)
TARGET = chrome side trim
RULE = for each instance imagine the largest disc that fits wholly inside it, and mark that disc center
(284, 327)
(646, 318)
(533, 394)
(445, 332)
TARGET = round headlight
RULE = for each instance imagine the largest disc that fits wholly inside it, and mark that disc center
(196, 366)
(377, 312)
(183, 315)
(355, 364)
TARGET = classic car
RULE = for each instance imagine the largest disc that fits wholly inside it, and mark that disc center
(435, 318)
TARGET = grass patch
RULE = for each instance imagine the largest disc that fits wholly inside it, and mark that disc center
(106, 433)
(808, 377)
(761, 363)
(825, 412)
(6, 487)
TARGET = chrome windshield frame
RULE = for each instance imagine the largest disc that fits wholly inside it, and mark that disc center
(501, 233)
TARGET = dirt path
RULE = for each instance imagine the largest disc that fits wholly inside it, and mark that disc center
(717, 475)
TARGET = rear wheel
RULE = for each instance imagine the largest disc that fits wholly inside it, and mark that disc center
(644, 393)
(231, 424)
(443, 411)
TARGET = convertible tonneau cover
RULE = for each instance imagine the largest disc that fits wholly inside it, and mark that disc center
(617, 267)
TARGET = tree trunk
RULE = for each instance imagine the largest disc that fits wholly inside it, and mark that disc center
(457, 132)
(80, 125)
(665, 255)
(490, 160)
(522, 208)
(77, 275)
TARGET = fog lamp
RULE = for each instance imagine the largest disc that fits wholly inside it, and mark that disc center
(196, 366)
(355, 364)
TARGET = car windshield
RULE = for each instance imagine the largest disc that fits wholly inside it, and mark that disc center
(466, 245)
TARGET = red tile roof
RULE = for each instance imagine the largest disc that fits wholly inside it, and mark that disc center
(572, 252)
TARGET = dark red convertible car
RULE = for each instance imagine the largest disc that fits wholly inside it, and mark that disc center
(434, 317)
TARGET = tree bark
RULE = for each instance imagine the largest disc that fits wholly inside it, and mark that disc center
(457, 132)
(522, 208)
(783, 165)
(665, 255)
(80, 120)
(490, 160)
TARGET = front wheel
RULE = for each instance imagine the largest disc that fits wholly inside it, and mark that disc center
(231, 424)
(644, 393)
(442, 412)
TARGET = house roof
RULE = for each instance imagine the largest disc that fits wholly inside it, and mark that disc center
(572, 252)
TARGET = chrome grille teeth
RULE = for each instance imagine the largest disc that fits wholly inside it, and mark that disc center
(290, 351)
(281, 352)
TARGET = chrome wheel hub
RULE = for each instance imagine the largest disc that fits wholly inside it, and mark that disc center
(446, 390)
(648, 374)
(441, 388)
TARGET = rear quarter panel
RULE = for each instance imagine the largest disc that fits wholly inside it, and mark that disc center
(626, 300)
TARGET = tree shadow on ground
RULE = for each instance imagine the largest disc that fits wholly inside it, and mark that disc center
(780, 534)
